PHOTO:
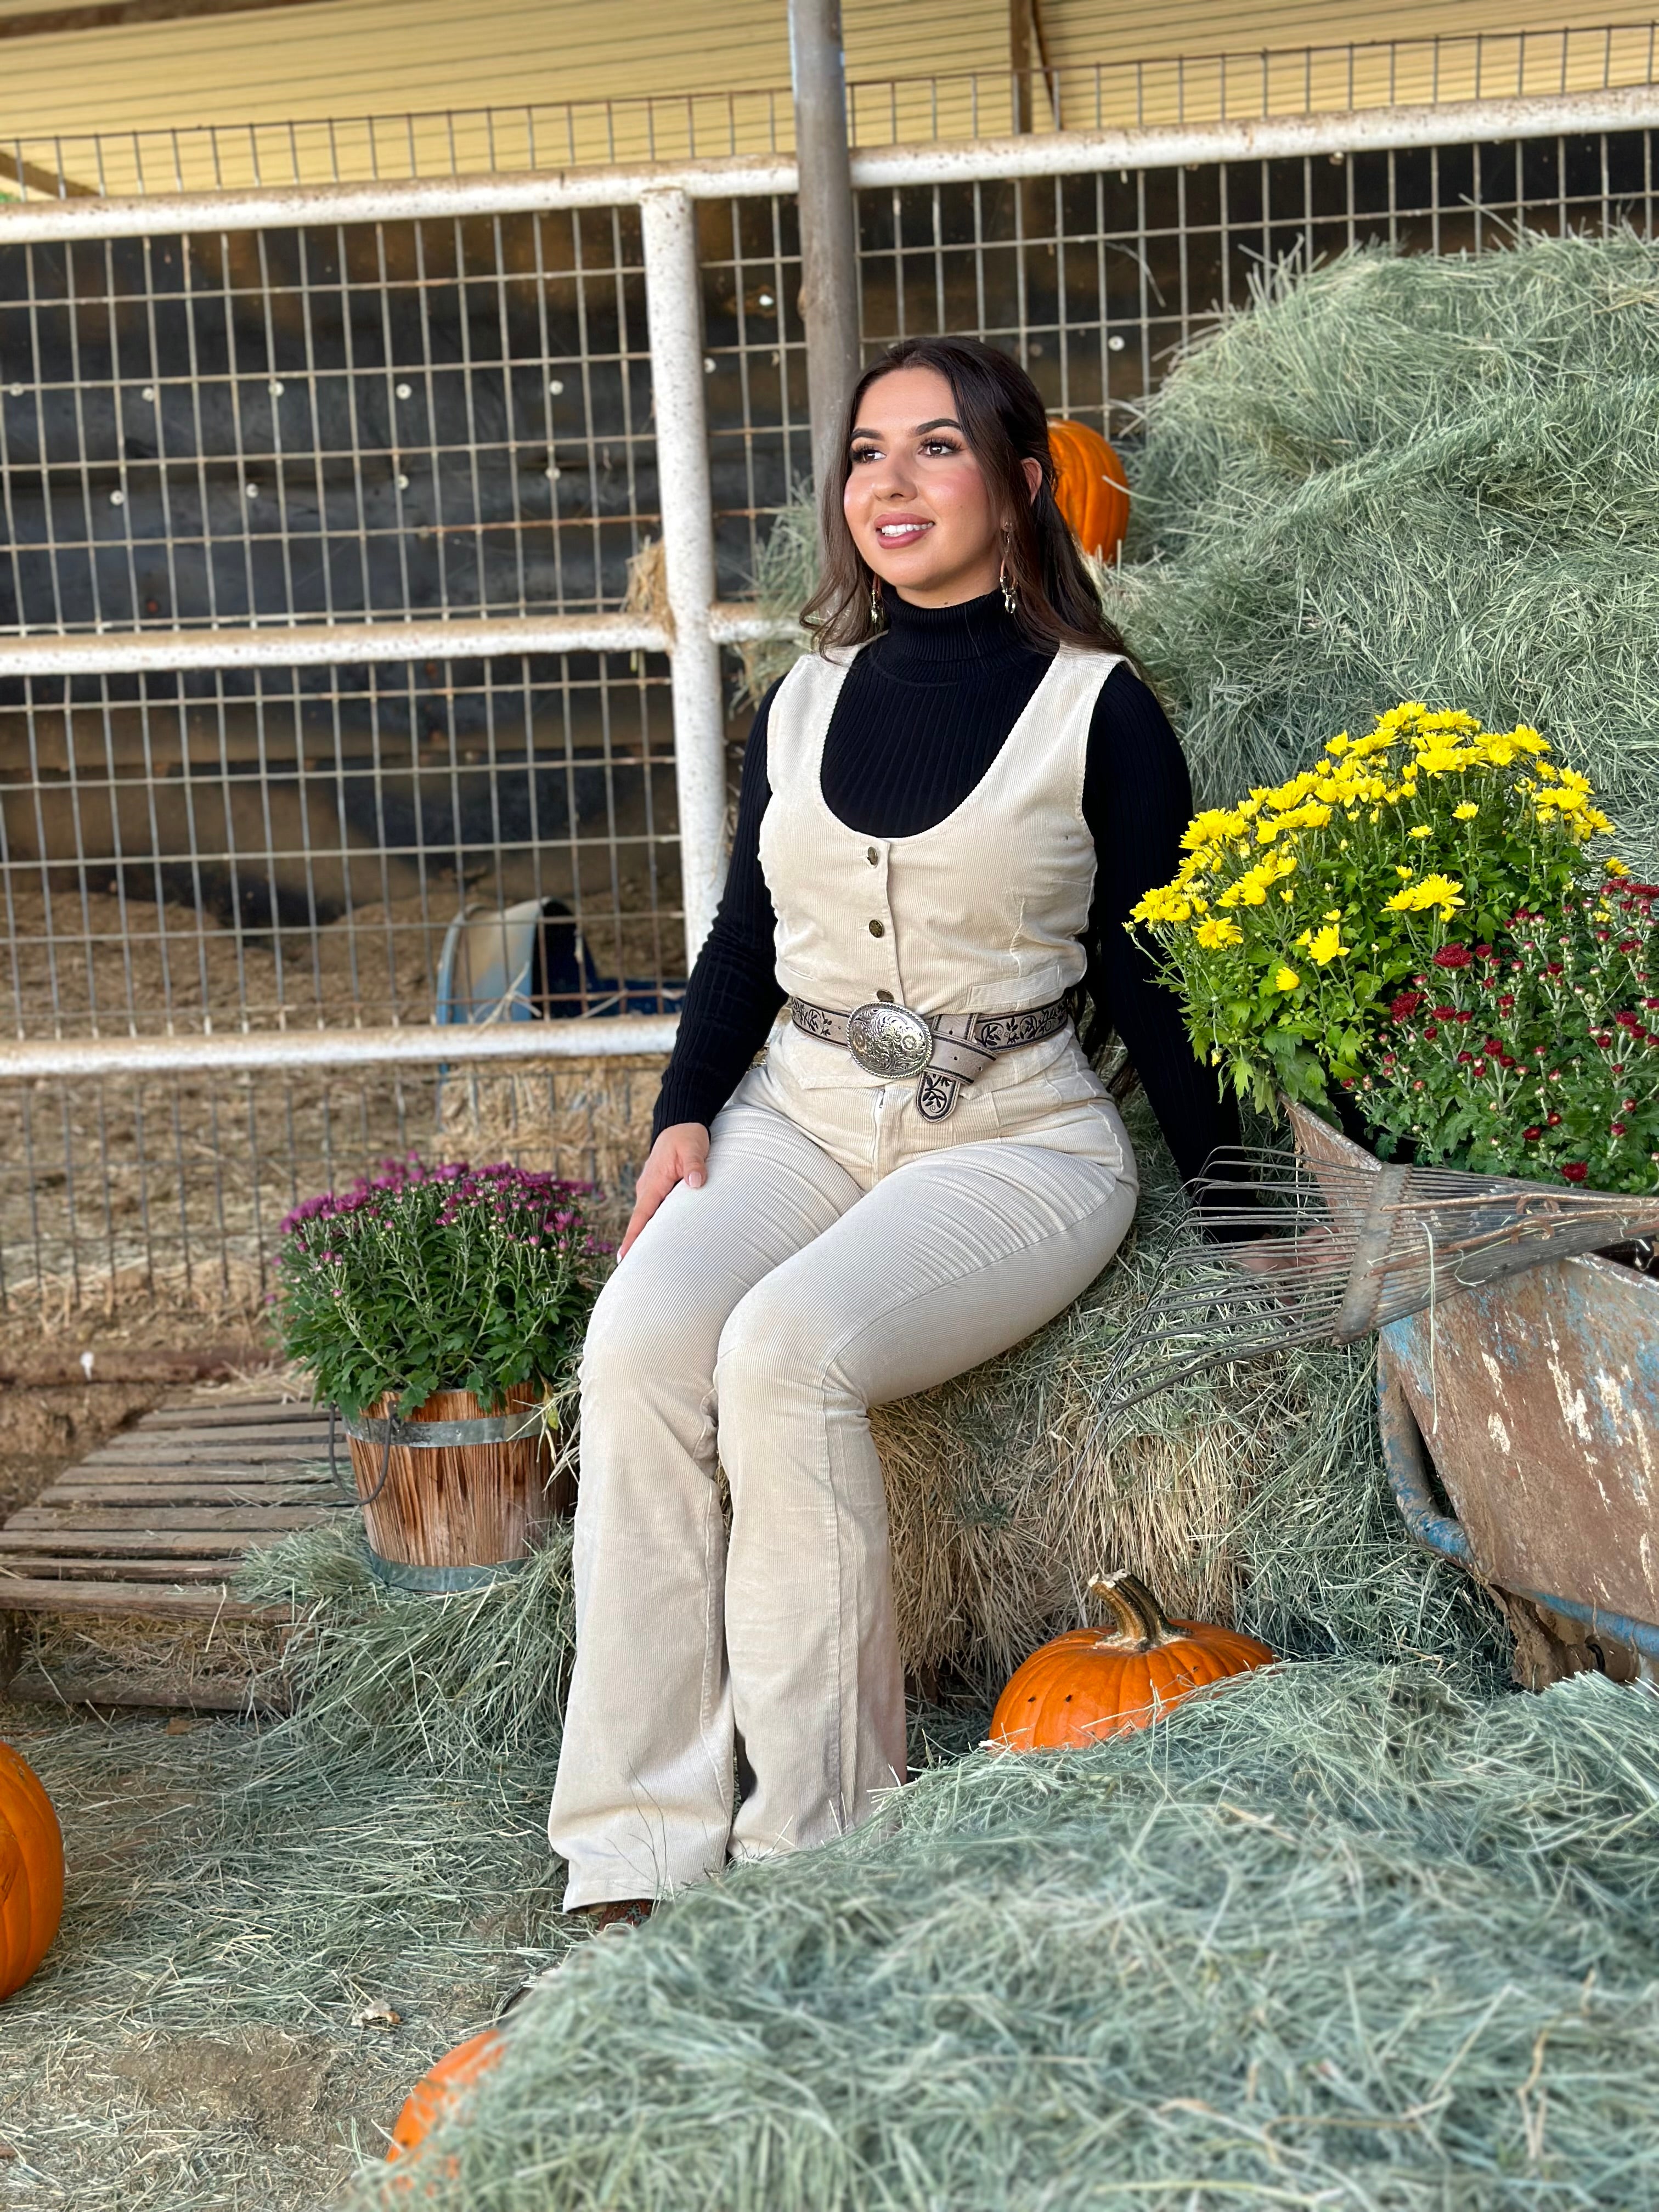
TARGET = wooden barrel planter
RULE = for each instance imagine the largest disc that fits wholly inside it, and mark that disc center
(452, 1496)
(1520, 1428)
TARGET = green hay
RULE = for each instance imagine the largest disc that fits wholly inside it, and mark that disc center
(1412, 477)
(785, 576)
(1336, 1936)
(459, 1686)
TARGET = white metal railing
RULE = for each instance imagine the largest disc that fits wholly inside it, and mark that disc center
(697, 623)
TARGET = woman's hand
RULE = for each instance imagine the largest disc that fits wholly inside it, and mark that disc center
(679, 1155)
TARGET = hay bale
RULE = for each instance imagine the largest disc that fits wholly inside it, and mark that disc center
(1256, 1496)
(1412, 478)
(588, 1120)
(1336, 1934)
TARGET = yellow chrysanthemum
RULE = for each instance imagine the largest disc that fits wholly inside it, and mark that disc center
(1214, 826)
(1325, 945)
(1465, 812)
(1286, 980)
(1164, 902)
(1422, 829)
(1439, 891)
(1213, 933)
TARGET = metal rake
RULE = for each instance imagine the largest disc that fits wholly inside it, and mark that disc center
(1321, 1251)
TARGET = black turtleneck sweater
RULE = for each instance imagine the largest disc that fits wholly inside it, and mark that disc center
(922, 714)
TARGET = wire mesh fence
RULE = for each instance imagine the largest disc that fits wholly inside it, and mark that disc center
(277, 847)
(452, 417)
(449, 416)
(171, 1190)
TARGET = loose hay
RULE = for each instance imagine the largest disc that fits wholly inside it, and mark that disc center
(459, 1686)
(1336, 1936)
(226, 1920)
(1412, 478)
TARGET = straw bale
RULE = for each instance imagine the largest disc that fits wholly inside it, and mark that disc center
(588, 1120)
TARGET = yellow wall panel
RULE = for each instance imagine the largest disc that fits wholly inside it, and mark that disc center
(718, 69)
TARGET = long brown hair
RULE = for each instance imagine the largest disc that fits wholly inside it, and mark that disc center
(1005, 423)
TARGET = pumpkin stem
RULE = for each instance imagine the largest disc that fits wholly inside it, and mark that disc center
(1137, 1620)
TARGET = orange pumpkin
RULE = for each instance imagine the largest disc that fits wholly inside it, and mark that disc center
(1092, 1682)
(1090, 488)
(439, 2091)
(31, 1871)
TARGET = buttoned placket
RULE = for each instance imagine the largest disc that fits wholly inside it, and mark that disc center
(883, 933)
(883, 936)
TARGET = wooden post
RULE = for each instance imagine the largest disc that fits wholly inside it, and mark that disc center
(829, 259)
(1028, 56)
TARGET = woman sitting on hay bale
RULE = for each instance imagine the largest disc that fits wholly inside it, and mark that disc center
(947, 810)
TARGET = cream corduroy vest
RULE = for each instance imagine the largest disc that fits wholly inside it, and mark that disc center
(981, 913)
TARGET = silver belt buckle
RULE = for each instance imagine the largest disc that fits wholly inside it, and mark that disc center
(889, 1041)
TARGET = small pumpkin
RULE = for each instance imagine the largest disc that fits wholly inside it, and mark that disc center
(1090, 488)
(439, 2090)
(1093, 1683)
(31, 1871)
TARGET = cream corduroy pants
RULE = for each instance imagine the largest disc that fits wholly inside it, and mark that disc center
(759, 1318)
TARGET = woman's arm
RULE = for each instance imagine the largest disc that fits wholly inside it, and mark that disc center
(1137, 800)
(733, 997)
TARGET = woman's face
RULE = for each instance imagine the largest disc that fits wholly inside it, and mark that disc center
(917, 503)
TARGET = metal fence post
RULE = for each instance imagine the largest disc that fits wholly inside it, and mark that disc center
(828, 247)
(673, 279)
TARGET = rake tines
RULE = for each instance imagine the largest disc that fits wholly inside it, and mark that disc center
(1303, 1251)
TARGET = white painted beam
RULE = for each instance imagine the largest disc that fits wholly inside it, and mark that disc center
(290, 1051)
(673, 301)
(324, 645)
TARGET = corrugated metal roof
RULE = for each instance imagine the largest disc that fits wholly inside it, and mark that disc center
(710, 64)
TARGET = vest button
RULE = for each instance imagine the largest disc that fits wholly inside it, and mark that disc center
(872, 856)
(878, 929)
(886, 997)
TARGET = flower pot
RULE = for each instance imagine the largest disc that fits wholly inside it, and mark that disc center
(1521, 1430)
(452, 1495)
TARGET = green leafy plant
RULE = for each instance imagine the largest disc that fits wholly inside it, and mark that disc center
(1538, 1054)
(442, 1277)
(1297, 915)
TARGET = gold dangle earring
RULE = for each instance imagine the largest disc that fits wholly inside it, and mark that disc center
(1010, 596)
(876, 607)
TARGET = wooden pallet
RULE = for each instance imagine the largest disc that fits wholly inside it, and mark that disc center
(156, 1520)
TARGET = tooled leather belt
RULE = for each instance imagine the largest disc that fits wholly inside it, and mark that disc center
(942, 1051)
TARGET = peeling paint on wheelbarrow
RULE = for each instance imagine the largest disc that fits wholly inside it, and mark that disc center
(1537, 1402)
(1521, 1430)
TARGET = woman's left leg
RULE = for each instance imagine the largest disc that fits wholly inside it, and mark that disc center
(948, 1260)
